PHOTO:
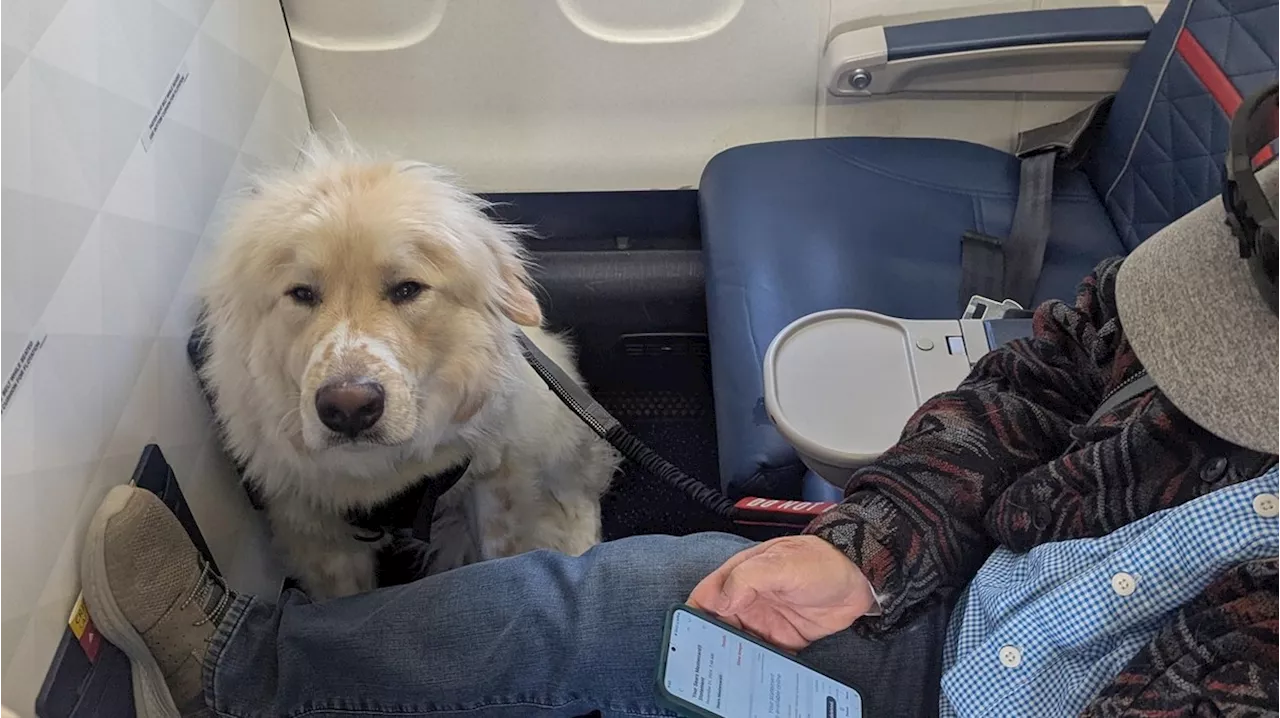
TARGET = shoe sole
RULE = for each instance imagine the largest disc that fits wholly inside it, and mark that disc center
(151, 697)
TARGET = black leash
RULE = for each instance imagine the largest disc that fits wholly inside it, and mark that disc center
(586, 408)
(391, 515)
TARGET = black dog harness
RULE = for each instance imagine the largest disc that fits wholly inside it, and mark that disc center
(412, 508)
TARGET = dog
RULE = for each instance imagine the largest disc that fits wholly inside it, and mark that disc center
(361, 319)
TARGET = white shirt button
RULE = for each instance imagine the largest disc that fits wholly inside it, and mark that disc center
(1124, 584)
(1266, 505)
(1010, 657)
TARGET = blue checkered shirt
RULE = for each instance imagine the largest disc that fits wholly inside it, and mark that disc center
(1041, 633)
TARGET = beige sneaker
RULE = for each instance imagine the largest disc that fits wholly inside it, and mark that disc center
(153, 596)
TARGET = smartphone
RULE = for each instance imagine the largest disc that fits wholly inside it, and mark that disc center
(709, 669)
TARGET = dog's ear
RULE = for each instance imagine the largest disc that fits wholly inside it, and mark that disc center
(515, 293)
(515, 287)
(514, 290)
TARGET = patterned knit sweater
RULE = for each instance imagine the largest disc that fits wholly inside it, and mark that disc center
(1009, 458)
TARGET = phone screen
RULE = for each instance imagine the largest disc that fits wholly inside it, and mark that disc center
(727, 675)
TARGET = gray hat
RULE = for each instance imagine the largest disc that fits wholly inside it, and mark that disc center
(1192, 312)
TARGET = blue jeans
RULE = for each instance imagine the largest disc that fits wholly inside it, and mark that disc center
(538, 634)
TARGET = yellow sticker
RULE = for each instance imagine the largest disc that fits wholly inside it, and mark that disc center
(79, 617)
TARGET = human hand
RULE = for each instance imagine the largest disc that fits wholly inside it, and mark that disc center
(790, 591)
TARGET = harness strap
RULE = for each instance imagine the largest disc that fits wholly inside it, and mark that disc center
(393, 513)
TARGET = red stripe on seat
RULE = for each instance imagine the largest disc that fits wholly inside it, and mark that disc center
(1218, 85)
(1208, 72)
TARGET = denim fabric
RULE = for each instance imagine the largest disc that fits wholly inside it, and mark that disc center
(540, 634)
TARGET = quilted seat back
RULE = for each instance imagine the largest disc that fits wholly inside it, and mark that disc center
(1161, 154)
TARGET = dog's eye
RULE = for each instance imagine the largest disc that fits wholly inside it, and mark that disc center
(405, 292)
(304, 295)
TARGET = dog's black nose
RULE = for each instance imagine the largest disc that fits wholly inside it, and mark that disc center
(350, 406)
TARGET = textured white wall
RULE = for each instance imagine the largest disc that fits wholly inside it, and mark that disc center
(100, 233)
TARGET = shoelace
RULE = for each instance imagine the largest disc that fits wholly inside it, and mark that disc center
(204, 585)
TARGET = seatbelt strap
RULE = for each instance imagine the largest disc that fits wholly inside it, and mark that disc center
(981, 267)
(1139, 385)
(1018, 260)
(1029, 233)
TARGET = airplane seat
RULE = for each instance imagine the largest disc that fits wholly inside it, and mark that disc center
(794, 227)
(816, 488)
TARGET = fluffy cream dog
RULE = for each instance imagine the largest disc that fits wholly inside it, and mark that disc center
(361, 320)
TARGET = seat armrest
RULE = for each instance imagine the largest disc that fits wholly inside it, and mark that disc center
(1018, 29)
(1081, 50)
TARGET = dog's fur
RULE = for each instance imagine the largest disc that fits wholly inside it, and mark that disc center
(456, 386)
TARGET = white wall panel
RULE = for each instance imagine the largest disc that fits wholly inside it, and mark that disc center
(102, 236)
(558, 94)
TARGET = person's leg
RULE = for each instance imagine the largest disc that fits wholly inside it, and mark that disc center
(539, 633)
(899, 675)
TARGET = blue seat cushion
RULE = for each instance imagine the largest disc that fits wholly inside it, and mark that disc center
(816, 488)
(795, 227)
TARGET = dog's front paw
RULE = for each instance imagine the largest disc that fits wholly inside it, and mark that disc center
(334, 573)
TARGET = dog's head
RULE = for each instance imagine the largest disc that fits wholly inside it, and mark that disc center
(375, 295)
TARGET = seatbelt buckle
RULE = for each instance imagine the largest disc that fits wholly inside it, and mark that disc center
(980, 307)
